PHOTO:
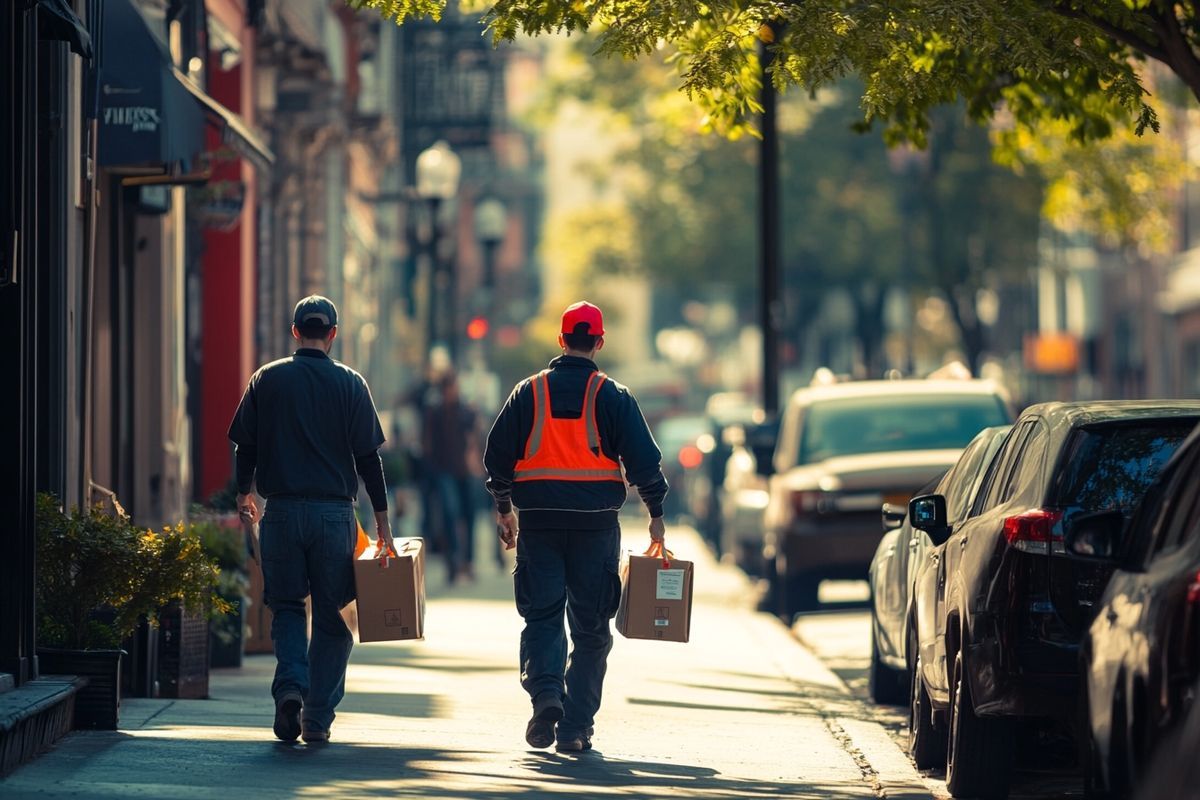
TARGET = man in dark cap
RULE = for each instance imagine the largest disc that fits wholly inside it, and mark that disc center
(305, 431)
(561, 452)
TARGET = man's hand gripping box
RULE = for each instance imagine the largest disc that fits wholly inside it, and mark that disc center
(391, 593)
(656, 597)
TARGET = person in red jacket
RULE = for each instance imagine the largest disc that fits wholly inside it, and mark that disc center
(560, 452)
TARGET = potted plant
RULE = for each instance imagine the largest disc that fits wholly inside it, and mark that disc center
(98, 574)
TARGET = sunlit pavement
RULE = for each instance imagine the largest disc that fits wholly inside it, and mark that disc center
(741, 711)
(839, 636)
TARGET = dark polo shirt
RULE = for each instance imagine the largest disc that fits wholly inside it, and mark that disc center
(302, 423)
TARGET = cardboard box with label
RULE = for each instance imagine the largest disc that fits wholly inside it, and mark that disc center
(391, 593)
(656, 598)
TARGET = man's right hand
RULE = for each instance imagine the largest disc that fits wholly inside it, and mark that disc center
(506, 527)
(658, 530)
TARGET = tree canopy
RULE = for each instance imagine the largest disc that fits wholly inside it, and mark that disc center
(1074, 61)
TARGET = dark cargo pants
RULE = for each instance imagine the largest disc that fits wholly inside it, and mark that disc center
(575, 571)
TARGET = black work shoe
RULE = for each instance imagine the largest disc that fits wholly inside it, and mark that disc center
(574, 744)
(540, 730)
(287, 717)
(314, 735)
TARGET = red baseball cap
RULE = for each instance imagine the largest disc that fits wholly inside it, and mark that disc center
(584, 313)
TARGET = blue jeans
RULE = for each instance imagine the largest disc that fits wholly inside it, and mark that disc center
(575, 571)
(458, 519)
(308, 549)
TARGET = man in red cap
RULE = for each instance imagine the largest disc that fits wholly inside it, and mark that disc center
(561, 452)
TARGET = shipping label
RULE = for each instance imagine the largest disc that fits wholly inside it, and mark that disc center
(670, 585)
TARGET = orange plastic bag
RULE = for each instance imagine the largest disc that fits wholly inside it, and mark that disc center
(363, 542)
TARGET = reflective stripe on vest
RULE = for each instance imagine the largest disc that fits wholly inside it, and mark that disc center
(541, 409)
(566, 449)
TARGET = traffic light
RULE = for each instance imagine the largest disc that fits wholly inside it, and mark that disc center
(477, 328)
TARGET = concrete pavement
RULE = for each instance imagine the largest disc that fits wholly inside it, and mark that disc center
(741, 711)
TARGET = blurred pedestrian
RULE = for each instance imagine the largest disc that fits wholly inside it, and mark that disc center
(451, 437)
(305, 431)
(555, 453)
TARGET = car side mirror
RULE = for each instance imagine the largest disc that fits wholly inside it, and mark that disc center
(893, 516)
(1095, 536)
(928, 513)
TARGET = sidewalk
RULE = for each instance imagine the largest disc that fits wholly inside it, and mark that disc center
(742, 710)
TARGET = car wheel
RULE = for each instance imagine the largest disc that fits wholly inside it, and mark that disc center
(980, 752)
(926, 744)
(1094, 786)
(885, 685)
(1119, 773)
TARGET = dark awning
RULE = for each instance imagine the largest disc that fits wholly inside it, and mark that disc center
(150, 113)
(57, 22)
(232, 128)
(147, 117)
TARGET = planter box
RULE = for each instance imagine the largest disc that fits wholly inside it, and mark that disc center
(182, 653)
(98, 704)
(139, 676)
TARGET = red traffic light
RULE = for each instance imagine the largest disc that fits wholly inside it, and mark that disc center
(477, 328)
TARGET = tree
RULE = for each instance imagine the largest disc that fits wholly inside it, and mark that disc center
(1070, 60)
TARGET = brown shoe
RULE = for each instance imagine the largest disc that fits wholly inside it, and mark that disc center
(314, 735)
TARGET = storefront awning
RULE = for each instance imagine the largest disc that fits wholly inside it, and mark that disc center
(249, 144)
(57, 22)
(150, 113)
(147, 117)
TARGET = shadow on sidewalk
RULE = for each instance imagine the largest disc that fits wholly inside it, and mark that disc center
(591, 773)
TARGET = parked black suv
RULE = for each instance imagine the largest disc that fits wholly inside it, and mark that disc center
(1141, 655)
(1012, 606)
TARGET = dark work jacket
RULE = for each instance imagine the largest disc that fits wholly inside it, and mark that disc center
(570, 505)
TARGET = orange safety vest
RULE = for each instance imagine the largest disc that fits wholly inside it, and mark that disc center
(565, 449)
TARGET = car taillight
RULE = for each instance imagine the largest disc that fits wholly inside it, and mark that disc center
(1032, 531)
(809, 502)
(1193, 590)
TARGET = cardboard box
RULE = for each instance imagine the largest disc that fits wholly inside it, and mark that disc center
(391, 598)
(656, 599)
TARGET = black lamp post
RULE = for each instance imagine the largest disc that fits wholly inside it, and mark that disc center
(491, 223)
(770, 308)
(438, 170)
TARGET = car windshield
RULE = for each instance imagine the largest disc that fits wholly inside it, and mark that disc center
(891, 423)
(1109, 467)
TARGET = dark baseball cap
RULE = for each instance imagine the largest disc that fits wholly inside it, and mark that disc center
(315, 310)
(586, 314)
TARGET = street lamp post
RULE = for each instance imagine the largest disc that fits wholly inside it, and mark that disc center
(769, 285)
(438, 170)
(491, 223)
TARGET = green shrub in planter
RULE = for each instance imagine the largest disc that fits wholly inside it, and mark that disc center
(224, 541)
(97, 574)
(90, 563)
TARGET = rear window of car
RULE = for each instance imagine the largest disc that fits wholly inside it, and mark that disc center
(892, 423)
(1110, 467)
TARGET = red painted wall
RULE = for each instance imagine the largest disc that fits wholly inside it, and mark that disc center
(228, 279)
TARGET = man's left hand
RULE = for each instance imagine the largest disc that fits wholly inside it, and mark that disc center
(247, 506)
(383, 533)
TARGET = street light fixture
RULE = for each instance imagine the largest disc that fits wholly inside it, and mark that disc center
(438, 170)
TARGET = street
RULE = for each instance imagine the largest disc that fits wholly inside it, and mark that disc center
(742, 710)
(840, 639)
